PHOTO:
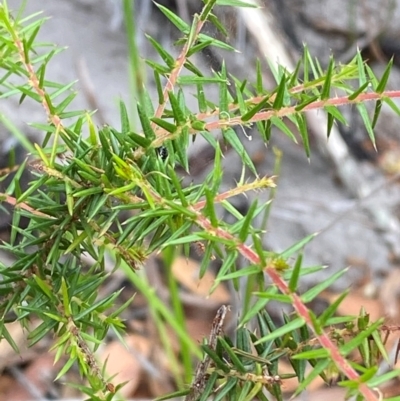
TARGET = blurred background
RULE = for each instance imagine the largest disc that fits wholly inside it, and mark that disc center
(347, 191)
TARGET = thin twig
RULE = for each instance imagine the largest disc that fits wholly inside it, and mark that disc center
(200, 378)
(179, 64)
(35, 82)
(317, 105)
(299, 306)
(22, 205)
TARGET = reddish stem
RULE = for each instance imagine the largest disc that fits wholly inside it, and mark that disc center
(319, 104)
(298, 304)
(173, 77)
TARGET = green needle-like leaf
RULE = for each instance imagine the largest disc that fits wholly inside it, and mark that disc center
(164, 124)
(294, 279)
(265, 103)
(201, 98)
(283, 127)
(279, 332)
(377, 112)
(223, 95)
(316, 371)
(280, 94)
(235, 3)
(245, 391)
(232, 381)
(179, 114)
(168, 59)
(139, 139)
(361, 69)
(385, 77)
(200, 46)
(178, 22)
(332, 308)
(173, 395)
(364, 115)
(125, 125)
(145, 121)
(330, 121)
(301, 124)
(4, 333)
(306, 102)
(360, 90)
(297, 246)
(309, 295)
(231, 137)
(326, 89)
(245, 230)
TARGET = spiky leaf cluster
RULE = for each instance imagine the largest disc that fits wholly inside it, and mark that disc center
(115, 192)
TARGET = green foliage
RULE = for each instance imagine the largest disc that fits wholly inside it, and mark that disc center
(87, 180)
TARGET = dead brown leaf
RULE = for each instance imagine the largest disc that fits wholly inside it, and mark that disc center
(35, 379)
(186, 271)
(7, 353)
(389, 294)
(122, 362)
